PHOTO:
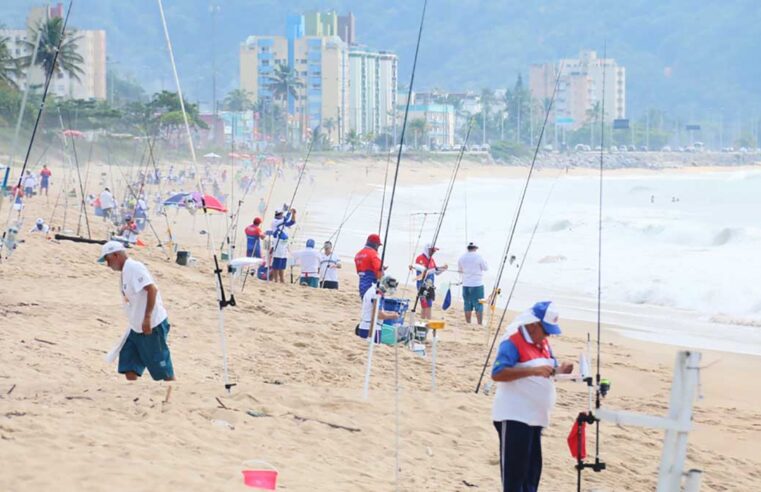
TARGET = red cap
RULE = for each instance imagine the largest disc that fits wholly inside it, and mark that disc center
(374, 239)
(257, 221)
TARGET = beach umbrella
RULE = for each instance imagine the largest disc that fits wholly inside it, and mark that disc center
(177, 199)
(212, 203)
(73, 133)
(212, 155)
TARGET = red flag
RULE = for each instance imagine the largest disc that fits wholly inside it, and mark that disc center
(573, 439)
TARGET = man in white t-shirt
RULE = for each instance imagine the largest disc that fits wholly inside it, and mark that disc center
(308, 260)
(146, 343)
(107, 204)
(329, 265)
(472, 267)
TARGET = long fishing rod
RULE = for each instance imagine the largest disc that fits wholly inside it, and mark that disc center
(597, 465)
(440, 223)
(234, 218)
(371, 331)
(383, 199)
(48, 78)
(515, 226)
(348, 217)
(152, 160)
(83, 207)
(518, 275)
(222, 300)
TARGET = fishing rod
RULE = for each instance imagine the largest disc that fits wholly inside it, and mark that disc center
(374, 318)
(600, 385)
(152, 160)
(518, 274)
(349, 216)
(48, 78)
(79, 177)
(234, 218)
(493, 297)
(440, 223)
(383, 199)
(222, 300)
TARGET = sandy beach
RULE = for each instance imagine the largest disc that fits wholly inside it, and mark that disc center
(68, 421)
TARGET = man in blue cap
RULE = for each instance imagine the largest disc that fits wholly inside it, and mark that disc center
(523, 372)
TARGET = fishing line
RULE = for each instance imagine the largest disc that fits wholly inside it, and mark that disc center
(515, 225)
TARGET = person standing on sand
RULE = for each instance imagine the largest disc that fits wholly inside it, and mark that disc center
(45, 179)
(525, 396)
(426, 278)
(107, 204)
(145, 342)
(254, 236)
(308, 260)
(368, 264)
(472, 267)
(279, 249)
(329, 265)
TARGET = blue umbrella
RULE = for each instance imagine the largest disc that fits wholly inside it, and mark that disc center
(176, 199)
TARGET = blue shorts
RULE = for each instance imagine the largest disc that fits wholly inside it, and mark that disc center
(470, 298)
(151, 351)
(279, 263)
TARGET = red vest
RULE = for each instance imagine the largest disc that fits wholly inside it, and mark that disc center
(529, 351)
(367, 260)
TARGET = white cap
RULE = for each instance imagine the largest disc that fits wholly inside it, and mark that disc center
(40, 221)
(108, 248)
(429, 247)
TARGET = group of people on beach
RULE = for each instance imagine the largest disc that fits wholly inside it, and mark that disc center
(523, 370)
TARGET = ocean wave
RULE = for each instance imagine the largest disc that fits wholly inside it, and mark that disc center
(726, 319)
(726, 235)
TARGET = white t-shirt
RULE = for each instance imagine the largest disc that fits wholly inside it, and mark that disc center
(472, 266)
(135, 278)
(367, 308)
(30, 181)
(328, 270)
(106, 200)
(308, 259)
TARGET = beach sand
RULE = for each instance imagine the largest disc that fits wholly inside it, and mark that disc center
(68, 421)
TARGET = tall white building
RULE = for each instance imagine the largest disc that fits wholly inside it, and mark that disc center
(91, 46)
(372, 91)
(581, 87)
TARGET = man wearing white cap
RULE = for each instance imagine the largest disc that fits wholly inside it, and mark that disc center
(523, 372)
(145, 343)
(426, 277)
(472, 267)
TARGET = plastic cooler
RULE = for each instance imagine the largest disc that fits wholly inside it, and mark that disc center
(397, 306)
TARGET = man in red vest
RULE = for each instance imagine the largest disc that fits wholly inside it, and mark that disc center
(368, 264)
(523, 372)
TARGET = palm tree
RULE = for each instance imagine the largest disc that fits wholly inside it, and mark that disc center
(487, 99)
(329, 125)
(51, 31)
(352, 138)
(237, 100)
(9, 67)
(284, 82)
(593, 116)
(420, 128)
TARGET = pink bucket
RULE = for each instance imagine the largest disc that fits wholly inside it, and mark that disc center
(260, 479)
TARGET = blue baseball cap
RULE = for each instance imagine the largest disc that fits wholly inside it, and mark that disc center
(546, 313)
(310, 243)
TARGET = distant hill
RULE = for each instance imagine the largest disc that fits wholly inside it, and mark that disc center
(693, 58)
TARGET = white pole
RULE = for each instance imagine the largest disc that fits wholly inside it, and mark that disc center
(692, 483)
(433, 362)
(210, 239)
(370, 344)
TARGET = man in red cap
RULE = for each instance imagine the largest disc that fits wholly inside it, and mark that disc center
(368, 264)
(254, 236)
